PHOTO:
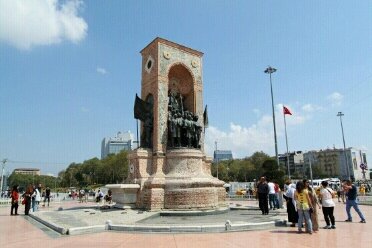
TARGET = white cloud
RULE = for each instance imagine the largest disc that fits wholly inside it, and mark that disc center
(25, 24)
(244, 141)
(335, 98)
(240, 140)
(311, 107)
(101, 70)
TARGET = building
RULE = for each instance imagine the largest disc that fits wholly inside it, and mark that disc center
(220, 155)
(296, 163)
(114, 145)
(27, 171)
(338, 163)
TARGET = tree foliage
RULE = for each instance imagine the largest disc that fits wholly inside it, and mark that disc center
(112, 169)
(249, 169)
(24, 180)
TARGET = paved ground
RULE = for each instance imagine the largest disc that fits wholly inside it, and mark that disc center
(22, 231)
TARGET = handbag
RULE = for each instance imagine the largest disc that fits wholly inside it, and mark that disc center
(24, 201)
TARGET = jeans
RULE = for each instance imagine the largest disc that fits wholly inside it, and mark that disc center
(273, 201)
(304, 214)
(354, 204)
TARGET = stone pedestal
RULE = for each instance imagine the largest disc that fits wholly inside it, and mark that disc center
(179, 180)
(124, 195)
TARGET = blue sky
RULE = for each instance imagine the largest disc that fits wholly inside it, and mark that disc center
(69, 71)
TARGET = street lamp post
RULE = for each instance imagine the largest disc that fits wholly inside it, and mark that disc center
(271, 70)
(216, 157)
(2, 176)
(340, 114)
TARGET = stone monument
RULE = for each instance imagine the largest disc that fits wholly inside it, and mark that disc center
(170, 167)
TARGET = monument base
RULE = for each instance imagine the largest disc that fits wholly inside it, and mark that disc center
(124, 195)
(178, 180)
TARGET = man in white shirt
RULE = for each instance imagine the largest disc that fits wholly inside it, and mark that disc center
(272, 198)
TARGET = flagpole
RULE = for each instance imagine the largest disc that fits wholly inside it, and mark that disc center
(286, 142)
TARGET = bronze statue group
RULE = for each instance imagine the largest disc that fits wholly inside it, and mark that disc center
(184, 130)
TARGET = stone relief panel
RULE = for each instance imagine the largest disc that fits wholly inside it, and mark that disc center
(163, 113)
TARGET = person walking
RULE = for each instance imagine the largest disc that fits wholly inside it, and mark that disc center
(15, 198)
(314, 203)
(351, 201)
(328, 205)
(47, 196)
(27, 198)
(263, 191)
(303, 207)
(291, 203)
(36, 198)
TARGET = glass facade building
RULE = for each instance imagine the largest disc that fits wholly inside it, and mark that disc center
(114, 145)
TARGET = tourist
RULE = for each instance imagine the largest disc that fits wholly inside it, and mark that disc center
(27, 198)
(15, 197)
(340, 194)
(326, 195)
(278, 198)
(351, 201)
(263, 191)
(303, 203)
(314, 203)
(99, 196)
(47, 196)
(81, 195)
(36, 197)
(272, 202)
(291, 203)
(362, 190)
(108, 197)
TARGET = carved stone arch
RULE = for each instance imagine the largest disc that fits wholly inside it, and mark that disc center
(182, 81)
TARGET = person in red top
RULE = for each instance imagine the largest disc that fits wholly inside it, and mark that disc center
(15, 197)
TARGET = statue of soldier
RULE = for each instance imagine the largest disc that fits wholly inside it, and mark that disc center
(179, 124)
(148, 127)
(188, 125)
(197, 132)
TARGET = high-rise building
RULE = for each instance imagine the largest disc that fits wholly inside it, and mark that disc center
(114, 145)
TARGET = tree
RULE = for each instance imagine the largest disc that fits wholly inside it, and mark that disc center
(273, 172)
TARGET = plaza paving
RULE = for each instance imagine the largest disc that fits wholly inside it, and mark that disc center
(23, 231)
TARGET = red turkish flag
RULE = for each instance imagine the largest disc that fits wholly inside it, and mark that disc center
(286, 111)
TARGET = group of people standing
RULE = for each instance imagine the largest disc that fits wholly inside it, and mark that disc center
(303, 204)
(268, 194)
(30, 198)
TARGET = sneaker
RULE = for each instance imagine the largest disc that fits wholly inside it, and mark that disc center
(327, 227)
(363, 221)
(333, 227)
(348, 220)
